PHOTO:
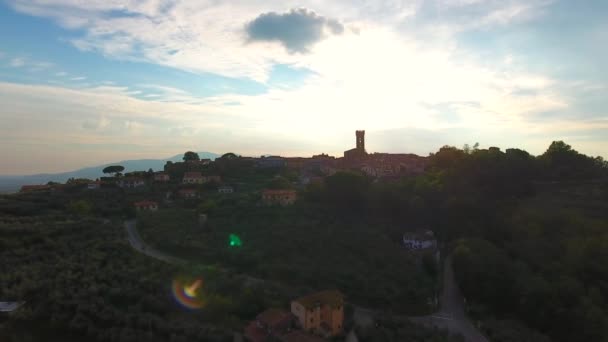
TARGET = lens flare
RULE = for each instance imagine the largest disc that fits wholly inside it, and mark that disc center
(234, 240)
(187, 293)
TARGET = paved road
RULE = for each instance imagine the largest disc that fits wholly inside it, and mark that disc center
(452, 316)
(138, 244)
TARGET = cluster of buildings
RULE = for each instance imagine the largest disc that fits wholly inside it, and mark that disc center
(376, 165)
(311, 318)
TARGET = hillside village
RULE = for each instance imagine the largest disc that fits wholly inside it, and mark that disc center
(188, 179)
(267, 181)
(313, 249)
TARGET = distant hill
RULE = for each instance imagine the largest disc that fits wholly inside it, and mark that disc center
(10, 184)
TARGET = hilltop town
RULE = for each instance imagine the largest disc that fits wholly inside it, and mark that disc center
(362, 247)
(196, 171)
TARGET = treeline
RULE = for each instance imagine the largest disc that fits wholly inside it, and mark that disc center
(530, 240)
(530, 234)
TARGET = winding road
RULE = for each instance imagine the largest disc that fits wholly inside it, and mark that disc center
(138, 244)
(452, 315)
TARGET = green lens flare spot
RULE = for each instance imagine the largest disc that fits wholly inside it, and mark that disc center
(234, 240)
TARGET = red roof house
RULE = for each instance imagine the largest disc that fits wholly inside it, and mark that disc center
(146, 206)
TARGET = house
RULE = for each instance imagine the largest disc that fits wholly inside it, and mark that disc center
(193, 178)
(187, 193)
(270, 323)
(280, 197)
(161, 177)
(199, 162)
(420, 240)
(36, 188)
(93, 185)
(320, 313)
(131, 182)
(7, 308)
(225, 189)
(296, 163)
(300, 336)
(146, 206)
(271, 162)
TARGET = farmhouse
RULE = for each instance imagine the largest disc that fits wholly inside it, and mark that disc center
(146, 206)
(321, 313)
(279, 197)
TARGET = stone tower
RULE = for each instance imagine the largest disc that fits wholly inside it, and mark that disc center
(360, 141)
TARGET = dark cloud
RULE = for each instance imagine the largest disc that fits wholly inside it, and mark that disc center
(297, 29)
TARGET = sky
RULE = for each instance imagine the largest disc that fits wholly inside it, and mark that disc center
(83, 83)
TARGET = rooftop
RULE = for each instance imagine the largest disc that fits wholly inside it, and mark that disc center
(193, 175)
(333, 298)
(300, 336)
(419, 235)
(271, 317)
(144, 203)
(10, 306)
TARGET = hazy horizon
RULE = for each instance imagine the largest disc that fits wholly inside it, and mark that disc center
(88, 83)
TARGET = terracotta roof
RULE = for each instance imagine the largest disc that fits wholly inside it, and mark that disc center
(300, 336)
(332, 298)
(35, 187)
(255, 333)
(272, 317)
(193, 175)
(132, 179)
(145, 203)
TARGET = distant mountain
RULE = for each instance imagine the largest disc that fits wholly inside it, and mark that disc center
(10, 184)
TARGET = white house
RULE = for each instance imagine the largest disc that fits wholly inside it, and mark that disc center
(225, 189)
(161, 177)
(131, 182)
(10, 307)
(93, 186)
(420, 241)
(193, 178)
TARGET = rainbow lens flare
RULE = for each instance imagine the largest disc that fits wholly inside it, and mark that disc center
(187, 294)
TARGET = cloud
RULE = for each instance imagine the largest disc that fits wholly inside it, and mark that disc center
(79, 78)
(17, 62)
(297, 29)
(207, 37)
(101, 123)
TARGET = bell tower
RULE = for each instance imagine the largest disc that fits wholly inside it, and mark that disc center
(360, 141)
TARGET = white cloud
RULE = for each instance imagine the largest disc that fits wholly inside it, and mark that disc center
(61, 74)
(385, 72)
(79, 78)
(31, 65)
(205, 36)
(17, 62)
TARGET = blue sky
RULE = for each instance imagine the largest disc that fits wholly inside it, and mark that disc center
(84, 83)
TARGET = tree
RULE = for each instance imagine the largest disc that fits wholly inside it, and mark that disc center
(229, 155)
(115, 169)
(279, 182)
(80, 207)
(191, 156)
